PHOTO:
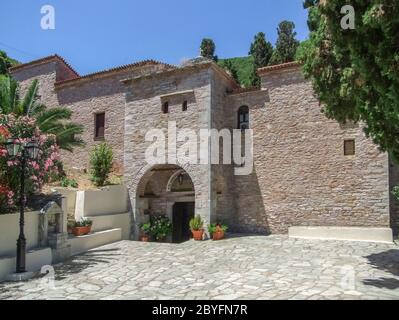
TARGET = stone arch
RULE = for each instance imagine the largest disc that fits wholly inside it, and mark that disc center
(176, 176)
(163, 200)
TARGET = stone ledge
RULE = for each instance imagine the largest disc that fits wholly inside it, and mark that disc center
(383, 235)
(35, 259)
(93, 240)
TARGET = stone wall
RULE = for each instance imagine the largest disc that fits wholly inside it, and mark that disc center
(46, 74)
(394, 204)
(144, 112)
(85, 98)
(251, 215)
(301, 176)
(224, 204)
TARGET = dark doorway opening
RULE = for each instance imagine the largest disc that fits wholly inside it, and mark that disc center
(183, 212)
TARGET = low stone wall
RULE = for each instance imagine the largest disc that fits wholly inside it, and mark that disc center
(108, 200)
(70, 194)
(35, 260)
(9, 232)
(343, 233)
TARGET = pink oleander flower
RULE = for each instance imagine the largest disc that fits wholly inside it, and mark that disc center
(35, 165)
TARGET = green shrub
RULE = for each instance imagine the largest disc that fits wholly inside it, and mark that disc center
(196, 223)
(146, 228)
(101, 159)
(214, 226)
(161, 227)
(66, 183)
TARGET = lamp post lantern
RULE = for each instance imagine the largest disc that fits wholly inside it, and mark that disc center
(22, 151)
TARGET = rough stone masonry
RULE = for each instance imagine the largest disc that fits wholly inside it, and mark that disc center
(301, 176)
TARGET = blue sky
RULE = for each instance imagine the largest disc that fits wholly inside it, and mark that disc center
(97, 34)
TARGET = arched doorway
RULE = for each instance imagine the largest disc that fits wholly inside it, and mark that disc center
(167, 190)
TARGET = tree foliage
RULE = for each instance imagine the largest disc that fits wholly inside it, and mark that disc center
(6, 62)
(243, 66)
(355, 72)
(41, 170)
(261, 51)
(208, 49)
(286, 44)
(56, 121)
(231, 68)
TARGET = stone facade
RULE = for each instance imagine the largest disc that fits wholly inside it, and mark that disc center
(301, 176)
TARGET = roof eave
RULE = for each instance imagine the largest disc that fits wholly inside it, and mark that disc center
(278, 67)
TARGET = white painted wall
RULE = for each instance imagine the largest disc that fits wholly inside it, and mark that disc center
(9, 232)
(70, 194)
(35, 260)
(107, 222)
(108, 200)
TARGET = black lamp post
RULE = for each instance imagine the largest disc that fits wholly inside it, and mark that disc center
(22, 151)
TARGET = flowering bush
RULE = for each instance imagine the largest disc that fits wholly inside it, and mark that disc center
(37, 172)
(161, 227)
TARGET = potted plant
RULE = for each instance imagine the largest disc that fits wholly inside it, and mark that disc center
(70, 226)
(160, 227)
(82, 227)
(145, 229)
(217, 231)
(197, 228)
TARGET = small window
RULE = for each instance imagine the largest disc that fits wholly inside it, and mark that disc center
(165, 107)
(185, 106)
(243, 118)
(349, 147)
(99, 125)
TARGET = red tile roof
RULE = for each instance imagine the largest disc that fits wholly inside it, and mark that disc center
(116, 69)
(245, 90)
(278, 67)
(77, 77)
(44, 60)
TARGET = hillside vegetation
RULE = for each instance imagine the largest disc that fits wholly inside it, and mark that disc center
(244, 67)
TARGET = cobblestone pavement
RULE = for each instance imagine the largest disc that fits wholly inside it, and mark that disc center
(252, 267)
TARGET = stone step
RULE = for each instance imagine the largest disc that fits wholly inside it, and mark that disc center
(94, 240)
(367, 234)
(112, 221)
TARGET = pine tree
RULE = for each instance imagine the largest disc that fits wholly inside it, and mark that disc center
(355, 72)
(208, 48)
(261, 51)
(286, 44)
(6, 62)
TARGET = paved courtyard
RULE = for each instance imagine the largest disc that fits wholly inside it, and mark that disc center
(252, 267)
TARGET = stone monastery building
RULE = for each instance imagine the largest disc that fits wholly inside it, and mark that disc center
(308, 170)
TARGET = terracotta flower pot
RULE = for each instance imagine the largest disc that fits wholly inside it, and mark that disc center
(81, 231)
(145, 238)
(198, 234)
(218, 235)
